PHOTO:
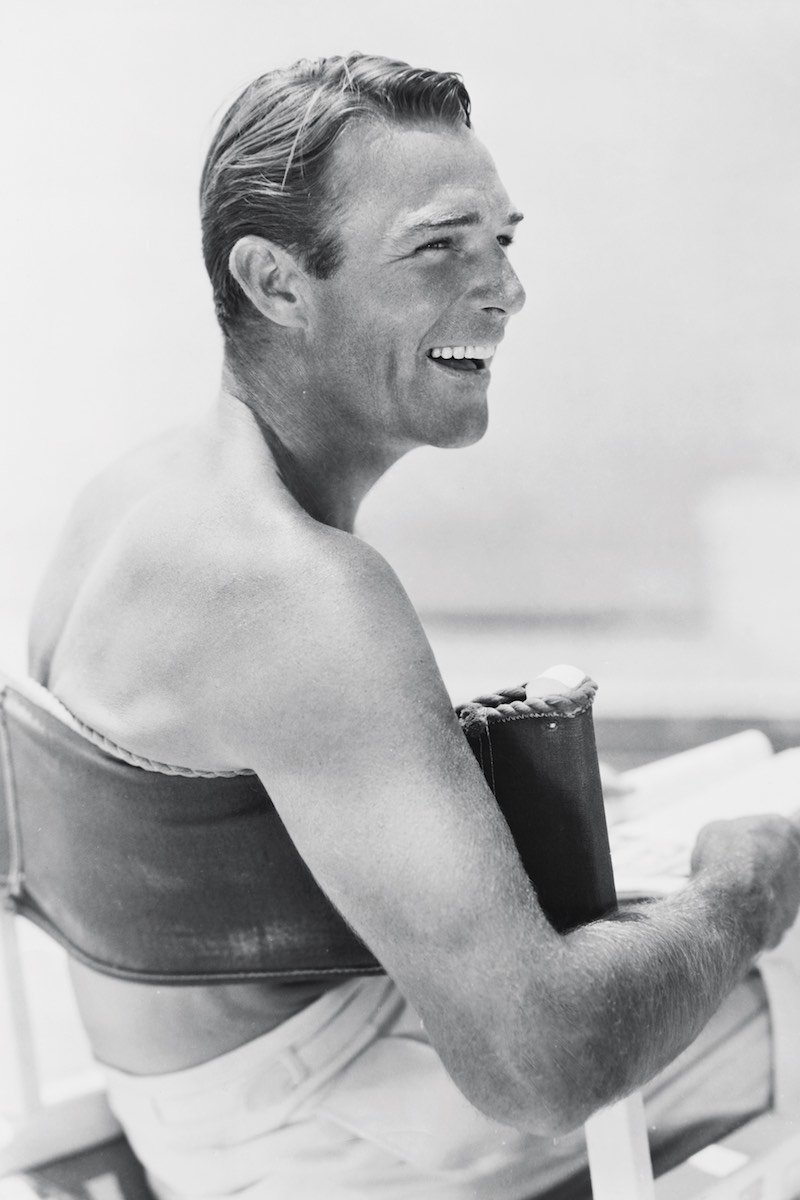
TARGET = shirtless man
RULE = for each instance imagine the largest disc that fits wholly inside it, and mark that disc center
(209, 592)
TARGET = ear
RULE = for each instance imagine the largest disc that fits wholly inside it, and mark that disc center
(271, 278)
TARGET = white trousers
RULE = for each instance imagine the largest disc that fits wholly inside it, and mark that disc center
(348, 1101)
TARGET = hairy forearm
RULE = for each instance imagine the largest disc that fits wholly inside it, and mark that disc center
(625, 996)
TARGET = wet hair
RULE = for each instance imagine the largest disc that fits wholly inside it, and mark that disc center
(266, 169)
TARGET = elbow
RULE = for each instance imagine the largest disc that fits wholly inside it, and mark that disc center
(566, 1114)
(533, 1108)
(574, 1058)
(556, 1110)
(556, 1088)
(516, 1090)
(543, 1067)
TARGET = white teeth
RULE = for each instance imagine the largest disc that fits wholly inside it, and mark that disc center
(482, 352)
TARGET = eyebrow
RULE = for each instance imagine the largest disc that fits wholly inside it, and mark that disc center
(447, 220)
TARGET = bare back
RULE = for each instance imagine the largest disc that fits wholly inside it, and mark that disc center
(126, 630)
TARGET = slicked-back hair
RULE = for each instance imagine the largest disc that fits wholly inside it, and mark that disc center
(265, 173)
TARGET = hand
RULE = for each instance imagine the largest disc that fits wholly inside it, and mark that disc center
(760, 855)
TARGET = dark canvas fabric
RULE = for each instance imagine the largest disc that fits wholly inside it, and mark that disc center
(166, 878)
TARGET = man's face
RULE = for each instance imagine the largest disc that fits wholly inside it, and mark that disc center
(404, 331)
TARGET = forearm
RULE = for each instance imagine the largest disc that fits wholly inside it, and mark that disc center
(627, 995)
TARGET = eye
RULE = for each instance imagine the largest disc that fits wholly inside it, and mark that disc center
(505, 239)
(439, 244)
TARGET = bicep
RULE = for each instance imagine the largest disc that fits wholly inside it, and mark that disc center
(364, 759)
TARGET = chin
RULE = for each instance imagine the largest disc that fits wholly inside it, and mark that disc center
(466, 432)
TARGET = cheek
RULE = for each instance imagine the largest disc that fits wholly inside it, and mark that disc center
(443, 279)
(377, 347)
(383, 330)
(364, 357)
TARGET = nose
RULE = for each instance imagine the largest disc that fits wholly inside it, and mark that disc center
(499, 287)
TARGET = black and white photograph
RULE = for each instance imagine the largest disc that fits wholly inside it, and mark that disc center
(399, 621)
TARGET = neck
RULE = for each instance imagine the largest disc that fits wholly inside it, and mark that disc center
(324, 459)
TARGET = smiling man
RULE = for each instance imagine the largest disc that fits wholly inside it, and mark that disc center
(209, 606)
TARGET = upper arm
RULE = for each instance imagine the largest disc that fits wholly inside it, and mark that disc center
(346, 719)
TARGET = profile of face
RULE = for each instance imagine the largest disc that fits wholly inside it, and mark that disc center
(401, 337)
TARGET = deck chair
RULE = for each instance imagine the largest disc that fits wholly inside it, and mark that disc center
(61, 785)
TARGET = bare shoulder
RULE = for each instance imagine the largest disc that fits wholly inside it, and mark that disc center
(324, 626)
(93, 520)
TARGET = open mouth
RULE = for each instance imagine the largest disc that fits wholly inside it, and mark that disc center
(462, 358)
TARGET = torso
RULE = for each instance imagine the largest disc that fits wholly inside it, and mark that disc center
(158, 558)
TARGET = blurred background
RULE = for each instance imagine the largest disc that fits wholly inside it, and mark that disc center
(635, 506)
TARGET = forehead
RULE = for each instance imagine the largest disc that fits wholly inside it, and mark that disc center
(389, 180)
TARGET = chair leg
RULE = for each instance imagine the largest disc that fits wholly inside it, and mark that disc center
(780, 972)
(22, 1081)
(619, 1155)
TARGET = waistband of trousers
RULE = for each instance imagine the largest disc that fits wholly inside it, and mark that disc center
(304, 1044)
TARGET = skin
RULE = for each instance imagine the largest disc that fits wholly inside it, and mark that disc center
(196, 609)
